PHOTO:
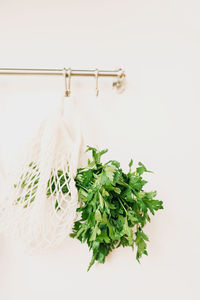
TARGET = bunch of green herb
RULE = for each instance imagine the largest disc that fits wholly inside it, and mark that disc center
(114, 207)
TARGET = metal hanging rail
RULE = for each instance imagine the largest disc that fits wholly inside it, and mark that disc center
(68, 73)
(101, 73)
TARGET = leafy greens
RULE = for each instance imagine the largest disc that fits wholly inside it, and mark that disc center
(114, 207)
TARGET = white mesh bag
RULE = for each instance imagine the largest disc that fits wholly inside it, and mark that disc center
(42, 201)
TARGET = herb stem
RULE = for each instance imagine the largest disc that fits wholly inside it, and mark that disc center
(123, 205)
(78, 185)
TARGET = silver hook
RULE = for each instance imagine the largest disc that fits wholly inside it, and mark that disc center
(97, 81)
(67, 76)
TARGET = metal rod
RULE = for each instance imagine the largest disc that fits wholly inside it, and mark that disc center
(101, 73)
(119, 74)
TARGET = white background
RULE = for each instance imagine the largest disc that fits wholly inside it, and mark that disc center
(156, 121)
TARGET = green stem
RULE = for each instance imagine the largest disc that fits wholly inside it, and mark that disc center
(123, 205)
(78, 185)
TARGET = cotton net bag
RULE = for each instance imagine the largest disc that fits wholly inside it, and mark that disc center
(41, 206)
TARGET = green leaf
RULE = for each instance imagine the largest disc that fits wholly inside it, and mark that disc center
(141, 245)
(140, 170)
(111, 230)
(104, 219)
(97, 216)
(92, 262)
(101, 200)
(117, 190)
(131, 218)
(115, 163)
(95, 232)
(96, 155)
(131, 163)
(110, 171)
(129, 232)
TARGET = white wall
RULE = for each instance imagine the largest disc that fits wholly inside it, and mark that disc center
(156, 121)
